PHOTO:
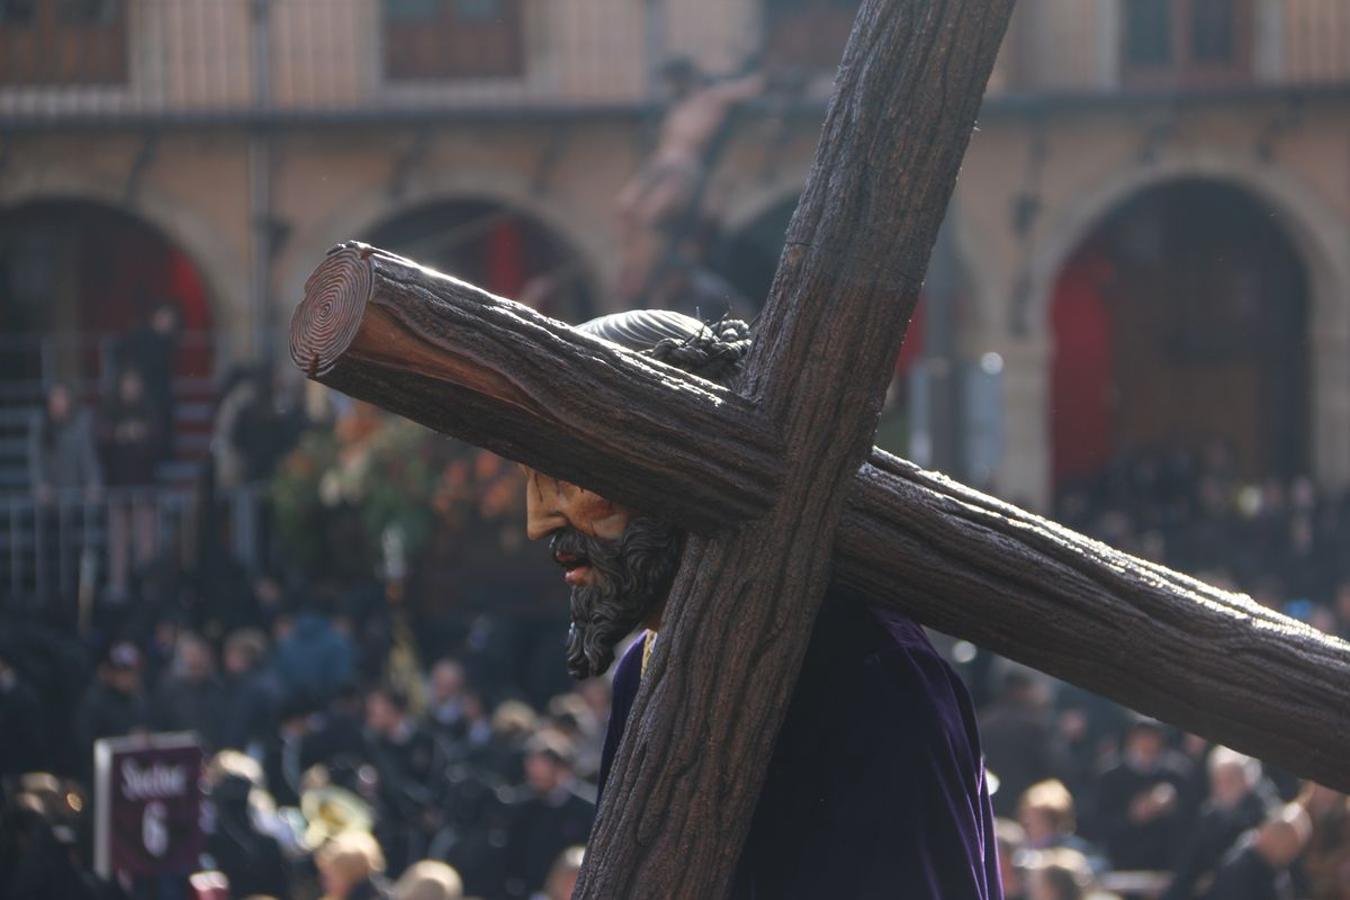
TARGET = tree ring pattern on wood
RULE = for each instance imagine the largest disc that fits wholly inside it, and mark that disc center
(327, 320)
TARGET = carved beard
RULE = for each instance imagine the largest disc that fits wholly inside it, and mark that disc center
(630, 579)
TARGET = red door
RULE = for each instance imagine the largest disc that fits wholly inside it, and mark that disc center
(1081, 371)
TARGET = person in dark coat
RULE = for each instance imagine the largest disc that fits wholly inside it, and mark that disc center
(552, 814)
(130, 441)
(128, 431)
(251, 860)
(1016, 734)
(61, 449)
(192, 697)
(445, 705)
(1258, 867)
(152, 350)
(1238, 801)
(252, 693)
(403, 753)
(35, 863)
(292, 748)
(1143, 802)
(262, 433)
(64, 472)
(313, 657)
(115, 703)
(876, 778)
(23, 722)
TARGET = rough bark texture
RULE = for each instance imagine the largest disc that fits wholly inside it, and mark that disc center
(974, 567)
(688, 772)
(1213, 663)
(494, 373)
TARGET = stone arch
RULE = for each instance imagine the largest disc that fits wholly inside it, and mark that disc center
(175, 220)
(1316, 232)
(357, 216)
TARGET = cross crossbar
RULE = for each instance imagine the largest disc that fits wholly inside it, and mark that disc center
(1211, 662)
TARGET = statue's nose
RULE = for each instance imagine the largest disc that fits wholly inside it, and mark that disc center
(543, 515)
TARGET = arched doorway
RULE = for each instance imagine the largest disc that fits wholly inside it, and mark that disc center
(82, 271)
(1181, 324)
(498, 248)
(78, 277)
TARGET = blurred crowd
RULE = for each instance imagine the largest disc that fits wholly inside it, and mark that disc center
(112, 454)
(321, 782)
(363, 746)
(1094, 798)
(1281, 540)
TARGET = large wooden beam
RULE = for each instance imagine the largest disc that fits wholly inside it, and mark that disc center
(496, 374)
(1211, 662)
(1206, 660)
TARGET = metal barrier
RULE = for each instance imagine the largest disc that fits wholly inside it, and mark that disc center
(33, 361)
(60, 551)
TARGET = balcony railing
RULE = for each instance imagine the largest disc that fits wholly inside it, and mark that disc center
(87, 364)
(32, 362)
(56, 552)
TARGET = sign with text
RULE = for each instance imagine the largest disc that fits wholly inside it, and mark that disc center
(148, 805)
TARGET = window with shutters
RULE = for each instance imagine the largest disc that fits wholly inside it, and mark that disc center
(438, 39)
(806, 35)
(63, 42)
(1185, 43)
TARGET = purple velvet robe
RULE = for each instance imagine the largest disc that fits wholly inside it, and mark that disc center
(876, 787)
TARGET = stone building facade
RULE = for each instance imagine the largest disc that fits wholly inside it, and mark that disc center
(251, 135)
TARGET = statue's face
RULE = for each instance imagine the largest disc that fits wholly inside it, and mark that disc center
(620, 565)
(552, 507)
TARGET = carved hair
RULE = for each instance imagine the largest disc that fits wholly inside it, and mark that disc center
(712, 350)
(715, 352)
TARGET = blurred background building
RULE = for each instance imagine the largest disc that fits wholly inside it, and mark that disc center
(1136, 318)
(1148, 242)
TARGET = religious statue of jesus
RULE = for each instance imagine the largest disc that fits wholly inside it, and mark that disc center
(876, 787)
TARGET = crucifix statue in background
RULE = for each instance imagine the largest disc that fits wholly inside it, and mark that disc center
(663, 222)
(780, 493)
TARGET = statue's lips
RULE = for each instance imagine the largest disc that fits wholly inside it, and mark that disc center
(576, 569)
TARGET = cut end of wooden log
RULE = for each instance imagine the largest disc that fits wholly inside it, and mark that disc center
(328, 318)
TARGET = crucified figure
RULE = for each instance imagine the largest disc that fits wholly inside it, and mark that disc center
(659, 199)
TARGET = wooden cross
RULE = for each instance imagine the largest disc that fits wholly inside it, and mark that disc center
(781, 490)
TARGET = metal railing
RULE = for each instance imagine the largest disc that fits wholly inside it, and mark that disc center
(30, 363)
(58, 552)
